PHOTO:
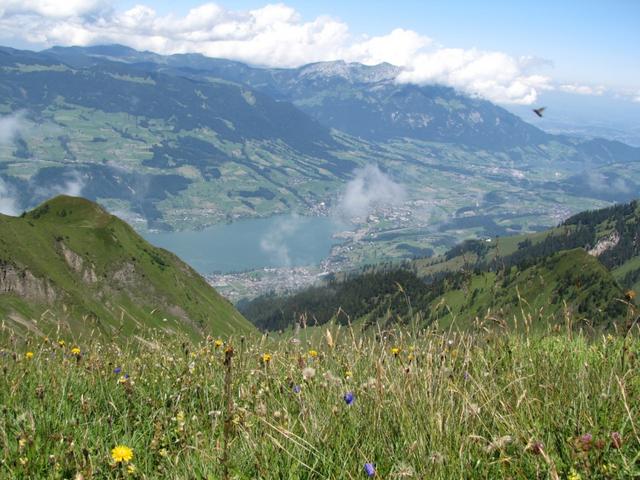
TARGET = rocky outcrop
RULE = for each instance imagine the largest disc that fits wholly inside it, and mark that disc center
(23, 283)
(605, 244)
(77, 264)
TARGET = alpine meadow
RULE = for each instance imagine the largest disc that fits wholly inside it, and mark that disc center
(319, 241)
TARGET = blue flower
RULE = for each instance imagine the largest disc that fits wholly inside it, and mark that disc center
(117, 370)
(296, 389)
(349, 398)
(370, 469)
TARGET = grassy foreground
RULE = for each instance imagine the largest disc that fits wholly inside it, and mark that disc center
(423, 405)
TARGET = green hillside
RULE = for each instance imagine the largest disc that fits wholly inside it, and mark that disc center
(582, 269)
(69, 264)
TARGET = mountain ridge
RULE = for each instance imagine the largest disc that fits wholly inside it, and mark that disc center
(69, 262)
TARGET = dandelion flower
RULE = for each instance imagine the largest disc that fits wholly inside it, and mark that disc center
(28, 355)
(348, 374)
(370, 469)
(395, 351)
(265, 358)
(75, 351)
(218, 343)
(122, 453)
(61, 343)
(313, 353)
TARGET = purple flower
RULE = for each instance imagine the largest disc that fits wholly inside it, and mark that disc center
(349, 397)
(117, 370)
(296, 389)
(370, 469)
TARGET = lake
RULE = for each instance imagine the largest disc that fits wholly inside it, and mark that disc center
(278, 241)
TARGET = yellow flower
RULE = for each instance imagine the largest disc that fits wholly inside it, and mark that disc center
(122, 453)
(348, 374)
(395, 351)
(28, 355)
(61, 343)
(313, 353)
(266, 358)
(218, 343)
(573, 475)
(75, 351)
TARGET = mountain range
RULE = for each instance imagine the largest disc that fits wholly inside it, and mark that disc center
(183, 141)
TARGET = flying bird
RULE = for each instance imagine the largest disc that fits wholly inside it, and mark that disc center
(538, 111)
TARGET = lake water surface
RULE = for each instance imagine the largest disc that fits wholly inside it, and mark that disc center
(279, 241)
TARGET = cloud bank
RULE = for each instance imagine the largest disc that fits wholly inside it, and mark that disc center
(369, 189)
(10, 127)
(275, 35)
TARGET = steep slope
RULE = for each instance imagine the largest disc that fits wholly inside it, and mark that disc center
(70, 263)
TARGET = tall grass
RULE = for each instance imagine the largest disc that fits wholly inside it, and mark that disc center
(427, 404)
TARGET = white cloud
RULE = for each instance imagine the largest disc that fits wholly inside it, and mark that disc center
(583, 89)
(370, 188)
(11, 126)
(51, 8)
(8, 202)
(493, 75)
(274, 35)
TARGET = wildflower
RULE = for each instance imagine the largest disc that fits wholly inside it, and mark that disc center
(573, 475)
(395, 351)
(122, 453)
(616, 440)
(28, 355)
(308, 373)
(536, 447)
(218, 343)
(117, 370)
(585, 441)
(370, 469)
(75, 351)
(349, 397)
(313, 353)
(296, 389)
(61, 343)
(348, 374)
(265, 358)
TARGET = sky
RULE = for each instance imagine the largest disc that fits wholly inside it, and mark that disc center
(510, 52)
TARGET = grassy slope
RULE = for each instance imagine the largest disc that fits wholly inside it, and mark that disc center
(106, 244)
(568, 281)
(448, 406)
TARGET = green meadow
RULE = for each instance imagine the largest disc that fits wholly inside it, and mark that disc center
(320, 403)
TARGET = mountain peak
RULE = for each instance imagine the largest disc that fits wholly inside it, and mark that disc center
(353, 72)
